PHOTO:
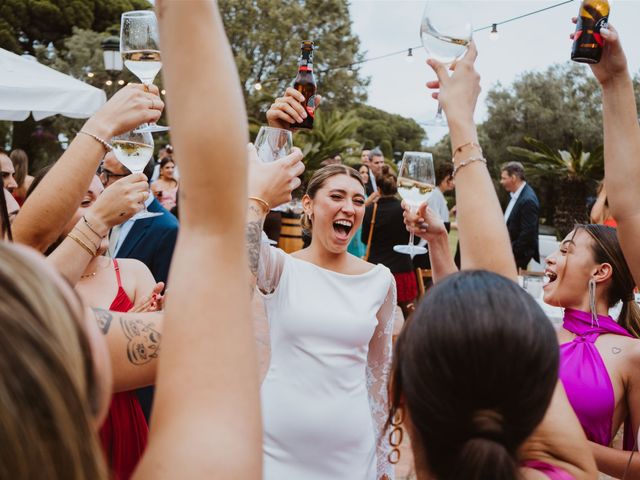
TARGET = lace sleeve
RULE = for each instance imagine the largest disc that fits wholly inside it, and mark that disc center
(378, 367)
(270, 265)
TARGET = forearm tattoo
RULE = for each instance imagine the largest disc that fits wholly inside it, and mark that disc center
(253, 238)
(103, 318)
(144, 340)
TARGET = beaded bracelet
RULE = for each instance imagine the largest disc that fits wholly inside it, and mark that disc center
(262, 202)
(104, 143)
(461, 147)
(466, 162)
(84, 246)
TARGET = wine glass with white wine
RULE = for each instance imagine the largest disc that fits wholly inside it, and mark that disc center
(273, 143)
(416, 181)
(140, 50)
(446, 32)
(134, 149)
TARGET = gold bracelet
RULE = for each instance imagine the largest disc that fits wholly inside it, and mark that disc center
(86, 236)
(466, 162)
(463, 146)
(261, 202)
(81, 243)
(86, 222)
(104, 143)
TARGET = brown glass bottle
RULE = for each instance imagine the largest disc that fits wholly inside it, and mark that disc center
(587, 42)
(305, 83)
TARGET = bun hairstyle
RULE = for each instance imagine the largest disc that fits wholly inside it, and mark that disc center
(317, 182)
(387, 181)
(165, 160)
(606, 249)
(476, 367)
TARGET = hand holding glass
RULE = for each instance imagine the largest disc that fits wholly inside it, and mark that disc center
(416, 181)
(273, 143)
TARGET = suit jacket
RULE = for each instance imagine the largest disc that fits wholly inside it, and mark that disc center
(152, 240)
(523, 227)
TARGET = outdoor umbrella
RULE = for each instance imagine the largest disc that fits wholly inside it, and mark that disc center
(27, 86)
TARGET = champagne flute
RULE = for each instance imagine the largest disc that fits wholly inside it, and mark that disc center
(416, 181)
(273, 143)
(446, 32)
(134, 149)
(140, 50)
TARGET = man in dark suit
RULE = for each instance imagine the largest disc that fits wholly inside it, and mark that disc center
(150, 240)
(521, 215)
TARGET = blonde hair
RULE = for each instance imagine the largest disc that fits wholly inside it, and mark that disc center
(48, 393)
(317, 182)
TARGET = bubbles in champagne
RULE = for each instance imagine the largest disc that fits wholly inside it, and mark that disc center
(133, 155)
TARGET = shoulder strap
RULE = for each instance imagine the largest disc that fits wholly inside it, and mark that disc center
(373, 223)
(117, 269)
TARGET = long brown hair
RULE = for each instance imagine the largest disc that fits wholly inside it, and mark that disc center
(317, 182)
(606, 249)
(20, 162)
(48, 392)
(475, 366)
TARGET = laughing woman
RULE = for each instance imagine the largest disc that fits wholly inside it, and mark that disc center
(331, 317)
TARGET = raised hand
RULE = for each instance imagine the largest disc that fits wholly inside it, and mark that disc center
(129, 107)
(288, 109)
(274, 181)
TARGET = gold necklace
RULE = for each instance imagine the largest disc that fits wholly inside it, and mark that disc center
(89, 275)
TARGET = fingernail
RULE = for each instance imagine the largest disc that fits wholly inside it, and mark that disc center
(304, 114)
(605, 30)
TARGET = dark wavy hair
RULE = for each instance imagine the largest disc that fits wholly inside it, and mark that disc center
(476, 367)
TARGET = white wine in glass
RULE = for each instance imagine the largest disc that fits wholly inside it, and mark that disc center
(140, 50)
(446, 32)
(273, 143)
(134, 149)
(416, 181)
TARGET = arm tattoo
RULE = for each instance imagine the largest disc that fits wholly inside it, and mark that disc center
(103, 318)
(253, 238)
(144, 340)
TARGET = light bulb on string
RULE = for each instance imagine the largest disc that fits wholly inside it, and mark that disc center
(409, 57)
(90, 74)
(120, 82)
(163, 91)
(493, 34)
(258, 86)
(108, 83)
(349, 72)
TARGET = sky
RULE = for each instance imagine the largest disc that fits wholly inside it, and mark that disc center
(531, 43)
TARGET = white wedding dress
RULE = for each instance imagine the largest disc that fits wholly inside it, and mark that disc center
(324, 397)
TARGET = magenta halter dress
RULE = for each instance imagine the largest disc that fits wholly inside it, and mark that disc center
(585, 377)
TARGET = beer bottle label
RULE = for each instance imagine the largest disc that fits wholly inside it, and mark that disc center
(602, 23)
(311, 105)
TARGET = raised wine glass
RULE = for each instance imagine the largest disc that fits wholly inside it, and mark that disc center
(416, 181)
(273, 143)
(140, 50)
(446, 32)
(134, 149)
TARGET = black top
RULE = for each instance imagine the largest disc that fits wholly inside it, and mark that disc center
(388, 230)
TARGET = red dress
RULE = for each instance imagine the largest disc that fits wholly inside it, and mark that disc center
(124, 432)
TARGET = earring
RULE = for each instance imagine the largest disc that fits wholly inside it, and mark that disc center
(592, 302)
(395, 436)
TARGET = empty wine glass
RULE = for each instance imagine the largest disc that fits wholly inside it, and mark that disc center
(416, 181)
(273, 143)
(446, 32)
(134, 149)
(140, 50)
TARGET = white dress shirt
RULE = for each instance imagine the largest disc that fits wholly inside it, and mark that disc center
(126, 227)
(512, 202)
(438, 204)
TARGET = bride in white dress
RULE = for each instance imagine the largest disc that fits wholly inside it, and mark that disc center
(324, 397)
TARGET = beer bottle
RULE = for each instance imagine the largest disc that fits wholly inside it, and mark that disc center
(587, 42)
(305, 83)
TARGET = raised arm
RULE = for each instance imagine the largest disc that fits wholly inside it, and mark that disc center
(207, 385)
(41, 219)
(480, 219)
(621, 145)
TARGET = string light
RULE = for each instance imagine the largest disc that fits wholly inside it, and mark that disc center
(90, 74)
(108, 83)
(163, 91)
(409, 57)
(493, 34)
(409, 51)
(350, 71)
(120, 82)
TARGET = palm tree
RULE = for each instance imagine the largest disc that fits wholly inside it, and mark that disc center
(572, 172)
(332, 133)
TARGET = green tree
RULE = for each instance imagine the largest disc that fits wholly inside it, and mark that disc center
(26, 23)
(573, 172)
(333, 133)
(265, 37)
(391, 132)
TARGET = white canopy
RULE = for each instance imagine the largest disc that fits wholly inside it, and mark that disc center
(28, 86)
